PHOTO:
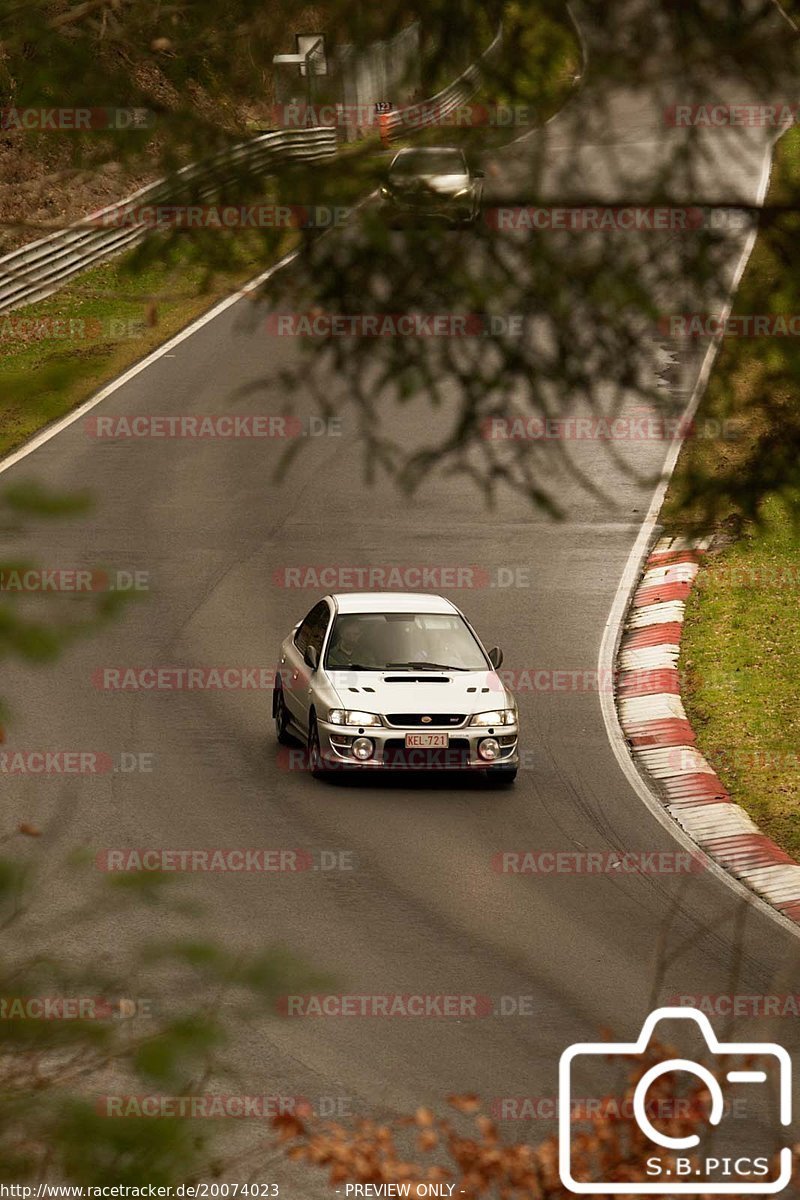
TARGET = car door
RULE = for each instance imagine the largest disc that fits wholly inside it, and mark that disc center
(297, 674)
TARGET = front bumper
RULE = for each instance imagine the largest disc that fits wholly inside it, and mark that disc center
(390, 752)
(447, 211)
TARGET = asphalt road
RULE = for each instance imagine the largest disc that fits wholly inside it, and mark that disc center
(422, 910)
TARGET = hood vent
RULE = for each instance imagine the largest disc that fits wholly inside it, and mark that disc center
(416, 679)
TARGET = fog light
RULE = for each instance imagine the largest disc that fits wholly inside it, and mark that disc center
(489, 749)
(363, 748)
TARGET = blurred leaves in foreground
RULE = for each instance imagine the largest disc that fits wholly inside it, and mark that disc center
(468, 1151)
(87, 1028)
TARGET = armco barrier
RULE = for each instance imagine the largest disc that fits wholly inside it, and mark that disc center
(439, 107)
(40, 268)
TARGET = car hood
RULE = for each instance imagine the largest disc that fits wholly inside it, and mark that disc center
(409, 691)
(444, 185)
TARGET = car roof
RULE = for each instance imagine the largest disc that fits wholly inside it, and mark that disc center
(376, 602)
(426, 151)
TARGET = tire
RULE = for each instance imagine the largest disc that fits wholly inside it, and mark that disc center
(501, 776)
(281, 718)
(314, 754)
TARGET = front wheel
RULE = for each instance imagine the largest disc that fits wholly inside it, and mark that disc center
(315, 764)
(281, 716)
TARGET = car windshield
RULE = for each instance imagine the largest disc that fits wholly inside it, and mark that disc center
(381, 641)
(430, 162)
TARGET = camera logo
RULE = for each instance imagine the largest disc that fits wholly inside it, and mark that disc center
(669, 1170)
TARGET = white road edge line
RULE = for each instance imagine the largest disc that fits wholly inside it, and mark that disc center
(50, 431)
(75, 414)
(632, 569)
(630, 577)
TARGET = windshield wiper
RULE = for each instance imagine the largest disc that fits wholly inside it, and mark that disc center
(424, 666)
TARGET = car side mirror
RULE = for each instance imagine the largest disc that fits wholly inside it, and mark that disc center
(311, 658)
(478, 174)
(496, 657)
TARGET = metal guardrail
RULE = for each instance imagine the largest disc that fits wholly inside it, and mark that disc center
(41, 267)
(436, 110)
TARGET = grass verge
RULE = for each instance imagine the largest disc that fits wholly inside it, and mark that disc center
(57, 352)
(740, 653)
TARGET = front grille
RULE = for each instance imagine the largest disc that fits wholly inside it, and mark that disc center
(415, 720)
(395, 754)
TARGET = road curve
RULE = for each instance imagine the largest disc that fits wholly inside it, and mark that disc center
(423, 910)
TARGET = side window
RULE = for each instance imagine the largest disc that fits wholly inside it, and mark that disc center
(312, 629)
(303, 630)
(318, 622)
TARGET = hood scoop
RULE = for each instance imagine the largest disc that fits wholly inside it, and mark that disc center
(416, 679)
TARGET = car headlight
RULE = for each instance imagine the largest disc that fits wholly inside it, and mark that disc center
(498, 716)
(352, 716)
(385, 192)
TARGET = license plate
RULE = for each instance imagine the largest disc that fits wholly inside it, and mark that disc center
(427, 741)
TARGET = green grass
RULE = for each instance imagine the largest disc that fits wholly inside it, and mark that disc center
(740, 653)
(112, 316)
(741, 660)
(119, 311)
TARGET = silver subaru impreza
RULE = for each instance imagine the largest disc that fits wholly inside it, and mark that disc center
(394, 680)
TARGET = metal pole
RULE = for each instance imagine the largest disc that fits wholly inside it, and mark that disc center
(309, 87)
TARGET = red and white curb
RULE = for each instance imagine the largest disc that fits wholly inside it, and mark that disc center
(662, 742)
